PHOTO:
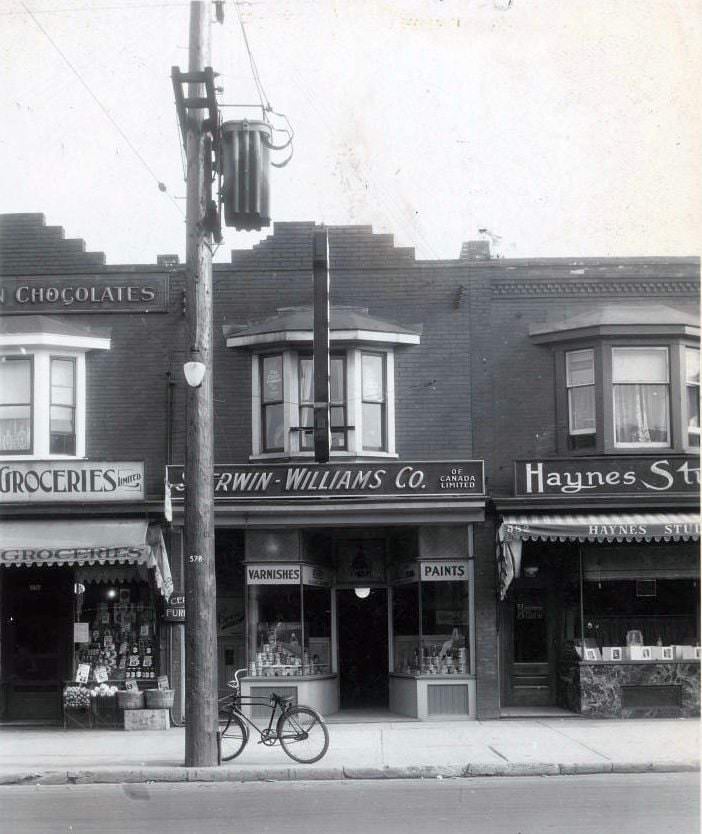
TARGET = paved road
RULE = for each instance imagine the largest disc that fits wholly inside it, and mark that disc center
(602, 804)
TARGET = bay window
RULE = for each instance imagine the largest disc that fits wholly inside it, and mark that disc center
(373, 398)
(580, 382)
(62, 418)
(272, 418)
(641, 395)
(692, 394)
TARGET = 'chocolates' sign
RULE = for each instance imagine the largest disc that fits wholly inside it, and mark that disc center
(608, 476)
(415, 478)
(113, 293)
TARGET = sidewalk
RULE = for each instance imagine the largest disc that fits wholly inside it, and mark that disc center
(444, 749)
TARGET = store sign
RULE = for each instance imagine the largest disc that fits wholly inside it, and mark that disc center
(175, 610)
(608, 476)
(113, 293)
(79, 481)
(414, 478)
(404, 572)
(444, 570)
(271, 573)
(317, 576)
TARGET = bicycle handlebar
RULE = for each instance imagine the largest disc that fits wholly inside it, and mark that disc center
(235, 684)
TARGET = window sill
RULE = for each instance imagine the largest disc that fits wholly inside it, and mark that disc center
(19, 458)
(334, 456)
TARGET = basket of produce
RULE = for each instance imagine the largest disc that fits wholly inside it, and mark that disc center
(130, 699)
(159, 698)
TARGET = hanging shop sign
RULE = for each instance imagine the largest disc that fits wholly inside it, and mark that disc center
(608, 476)
(443, 570)
(271, 573)
(175, 610)
(113, 293)
(392, 479)
(360, 560)
(79, 481)
(404, 572)
(316, 576)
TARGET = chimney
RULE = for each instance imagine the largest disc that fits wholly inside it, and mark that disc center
(475, 250)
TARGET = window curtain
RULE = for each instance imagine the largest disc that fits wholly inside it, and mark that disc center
(641, 413)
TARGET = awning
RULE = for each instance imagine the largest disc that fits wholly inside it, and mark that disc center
(596, 527)
(117, 542)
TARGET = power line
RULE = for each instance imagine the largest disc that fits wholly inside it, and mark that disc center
(107, 113)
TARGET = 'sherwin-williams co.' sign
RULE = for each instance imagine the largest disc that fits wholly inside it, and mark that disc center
(80, 481)
(608, 476)
(417, 478)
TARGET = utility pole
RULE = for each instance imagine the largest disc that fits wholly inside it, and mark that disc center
(200, 584)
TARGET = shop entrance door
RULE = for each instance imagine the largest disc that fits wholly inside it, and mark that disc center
(37, 609)
(533, 652)
(363, 649)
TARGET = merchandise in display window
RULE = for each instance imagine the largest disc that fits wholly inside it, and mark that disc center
(279, 645)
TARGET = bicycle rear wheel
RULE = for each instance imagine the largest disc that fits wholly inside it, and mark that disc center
(233, 735)
(303, 734)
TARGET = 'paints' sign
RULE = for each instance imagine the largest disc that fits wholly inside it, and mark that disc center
(113, 293)
(608, 476)
(444, 570)
(416, 478)
(80, 481)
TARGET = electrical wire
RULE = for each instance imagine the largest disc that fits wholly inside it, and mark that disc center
(107, 113)
(265, 104)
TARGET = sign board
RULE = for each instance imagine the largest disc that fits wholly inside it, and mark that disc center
(444, 570)
(83, 673)
(81, 632)
(404, 572)
(100, 674)
(273, 573)
(316, 576)
(113, 293)
(162, 682)
(584, 477)
(131, 685)
(175, 610)
(75, 481)
(419, 479)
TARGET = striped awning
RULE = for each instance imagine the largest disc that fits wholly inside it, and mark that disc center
(90, 542)
(595, 527)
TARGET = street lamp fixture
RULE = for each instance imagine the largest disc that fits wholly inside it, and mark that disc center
(194, 373)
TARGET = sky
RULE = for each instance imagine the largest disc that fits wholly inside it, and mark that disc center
(565, 128)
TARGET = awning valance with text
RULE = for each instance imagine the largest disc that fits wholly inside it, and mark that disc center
(620, 527)
(91, 542)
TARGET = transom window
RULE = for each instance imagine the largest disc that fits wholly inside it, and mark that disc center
(640, 388)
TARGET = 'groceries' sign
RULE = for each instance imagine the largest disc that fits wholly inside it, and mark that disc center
(608, 476)
(416, 478)
(82, 481)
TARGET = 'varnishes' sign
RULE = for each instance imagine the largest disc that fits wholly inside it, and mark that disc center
(608, 476)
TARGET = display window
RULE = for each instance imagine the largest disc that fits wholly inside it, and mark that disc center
(430, 621)
(289, 622)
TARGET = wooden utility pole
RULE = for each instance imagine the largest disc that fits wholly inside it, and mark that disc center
(320, 345)
(200, 585)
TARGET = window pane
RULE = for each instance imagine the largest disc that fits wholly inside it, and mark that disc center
(641, 414)
(337, 416)
(372, 426)
(15, 428)
(692, 361)
(580, 367)
(445, 628)
(693, 415)
(272, 378)
(582, 409)
(61, 419)
(372, 371)
(275, 629)
(307, 419)
(273, 426)
(62, 372)
(639, 365)
(306, 380)
(62, 444)
(317, 631)
(15, 381)
(336, 382)
(405, 624)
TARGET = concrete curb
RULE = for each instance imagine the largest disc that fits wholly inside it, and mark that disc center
(127, 775)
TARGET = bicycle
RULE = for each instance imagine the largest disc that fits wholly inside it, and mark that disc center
(301, 731)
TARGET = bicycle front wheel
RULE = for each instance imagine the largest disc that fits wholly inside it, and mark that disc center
(303, 734)
(233, 735)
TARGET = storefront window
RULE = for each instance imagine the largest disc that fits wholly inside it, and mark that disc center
(445, 628)
(316, 658)
(116, 632)
(283, 641)
(405, 623)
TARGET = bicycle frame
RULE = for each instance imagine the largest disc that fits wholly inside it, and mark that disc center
(273, 703)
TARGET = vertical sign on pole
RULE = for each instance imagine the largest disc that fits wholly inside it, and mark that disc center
(321, 346)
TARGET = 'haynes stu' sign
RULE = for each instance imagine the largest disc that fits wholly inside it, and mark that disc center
(608, 476)
(419, 478)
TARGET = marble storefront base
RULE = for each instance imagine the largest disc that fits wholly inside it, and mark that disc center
(626, 689)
